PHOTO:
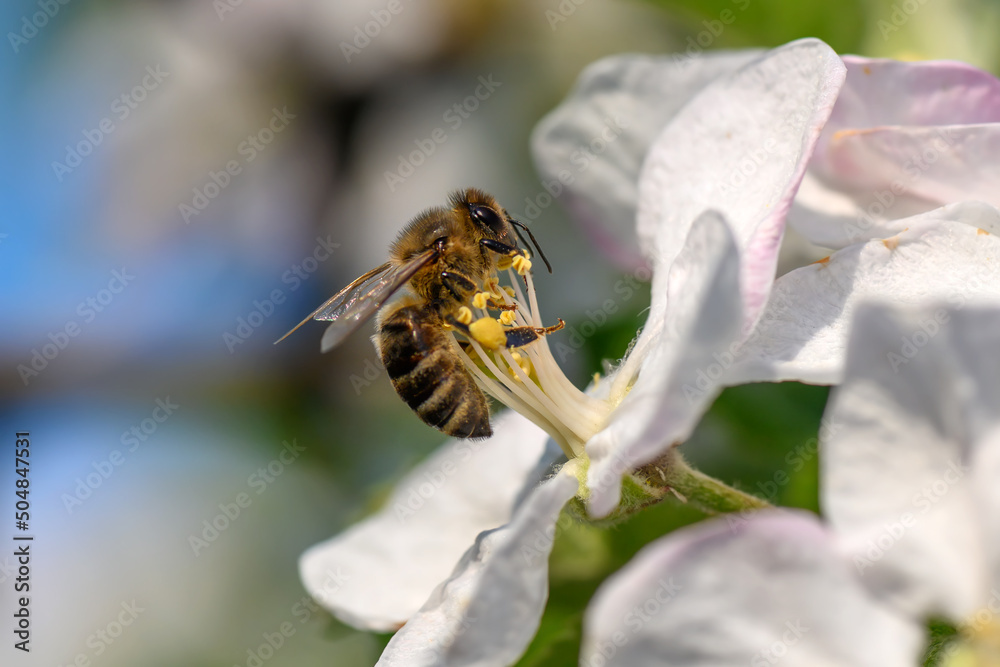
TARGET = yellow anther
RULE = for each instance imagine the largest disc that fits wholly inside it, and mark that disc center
(464, 315)
(503, 263)
(521, 264)
(480, 300)
(488, 332)
(493, 287)
(509, 290)
(507, 317)
(523, 362)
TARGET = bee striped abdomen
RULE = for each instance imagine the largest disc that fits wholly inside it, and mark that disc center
(428, 374)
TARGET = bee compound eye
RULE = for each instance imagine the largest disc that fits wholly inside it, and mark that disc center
(487, 217)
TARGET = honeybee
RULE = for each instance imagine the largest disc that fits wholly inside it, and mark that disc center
(444, 256)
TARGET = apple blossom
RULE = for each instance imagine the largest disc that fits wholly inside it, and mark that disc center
(714, 189)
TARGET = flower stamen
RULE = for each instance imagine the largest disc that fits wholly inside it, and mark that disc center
(480, 300)
(528, 379)
(521, 264)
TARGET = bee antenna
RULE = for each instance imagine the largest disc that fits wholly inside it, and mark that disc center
(541, 254)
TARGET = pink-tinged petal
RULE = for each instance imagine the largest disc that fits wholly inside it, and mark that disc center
(486, 613)
(677, 379)
(880, 92)
(739, 147)
(765, 590)
(903, 138)
(920, 392)
(891, 172)
(379, 572)
(802, 334)
(592, 146)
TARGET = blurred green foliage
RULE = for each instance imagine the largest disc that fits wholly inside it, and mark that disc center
(942, 635)
(769, 22)
(945, 29)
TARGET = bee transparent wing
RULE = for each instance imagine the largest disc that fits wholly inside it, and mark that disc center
(337, 300)
(355, 304)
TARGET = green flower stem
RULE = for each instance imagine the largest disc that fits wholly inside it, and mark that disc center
(669, 475)
(672, 473)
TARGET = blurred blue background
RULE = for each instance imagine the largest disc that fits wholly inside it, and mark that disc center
(184, 181)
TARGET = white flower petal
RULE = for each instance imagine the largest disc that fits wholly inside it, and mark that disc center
(802, 334)
(840, 232)
(488, 610)
(379, 572)
(677, 379)
(595, 141)
(921, 389)
(753, 592)
(740, 147)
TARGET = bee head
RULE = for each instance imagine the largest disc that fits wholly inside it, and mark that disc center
(486, 215)
(488, 219)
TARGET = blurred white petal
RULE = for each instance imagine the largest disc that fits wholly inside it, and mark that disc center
(920, 396)
(629, 98)
(985, 473)
(488, 610)
(379, 572)
(743, 592)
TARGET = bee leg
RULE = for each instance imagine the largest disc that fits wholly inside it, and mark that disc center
(458, 284)
(491, 335)
(545, 331)
(520, 336)
(459, 326)
(500, 248)
(517, 258)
